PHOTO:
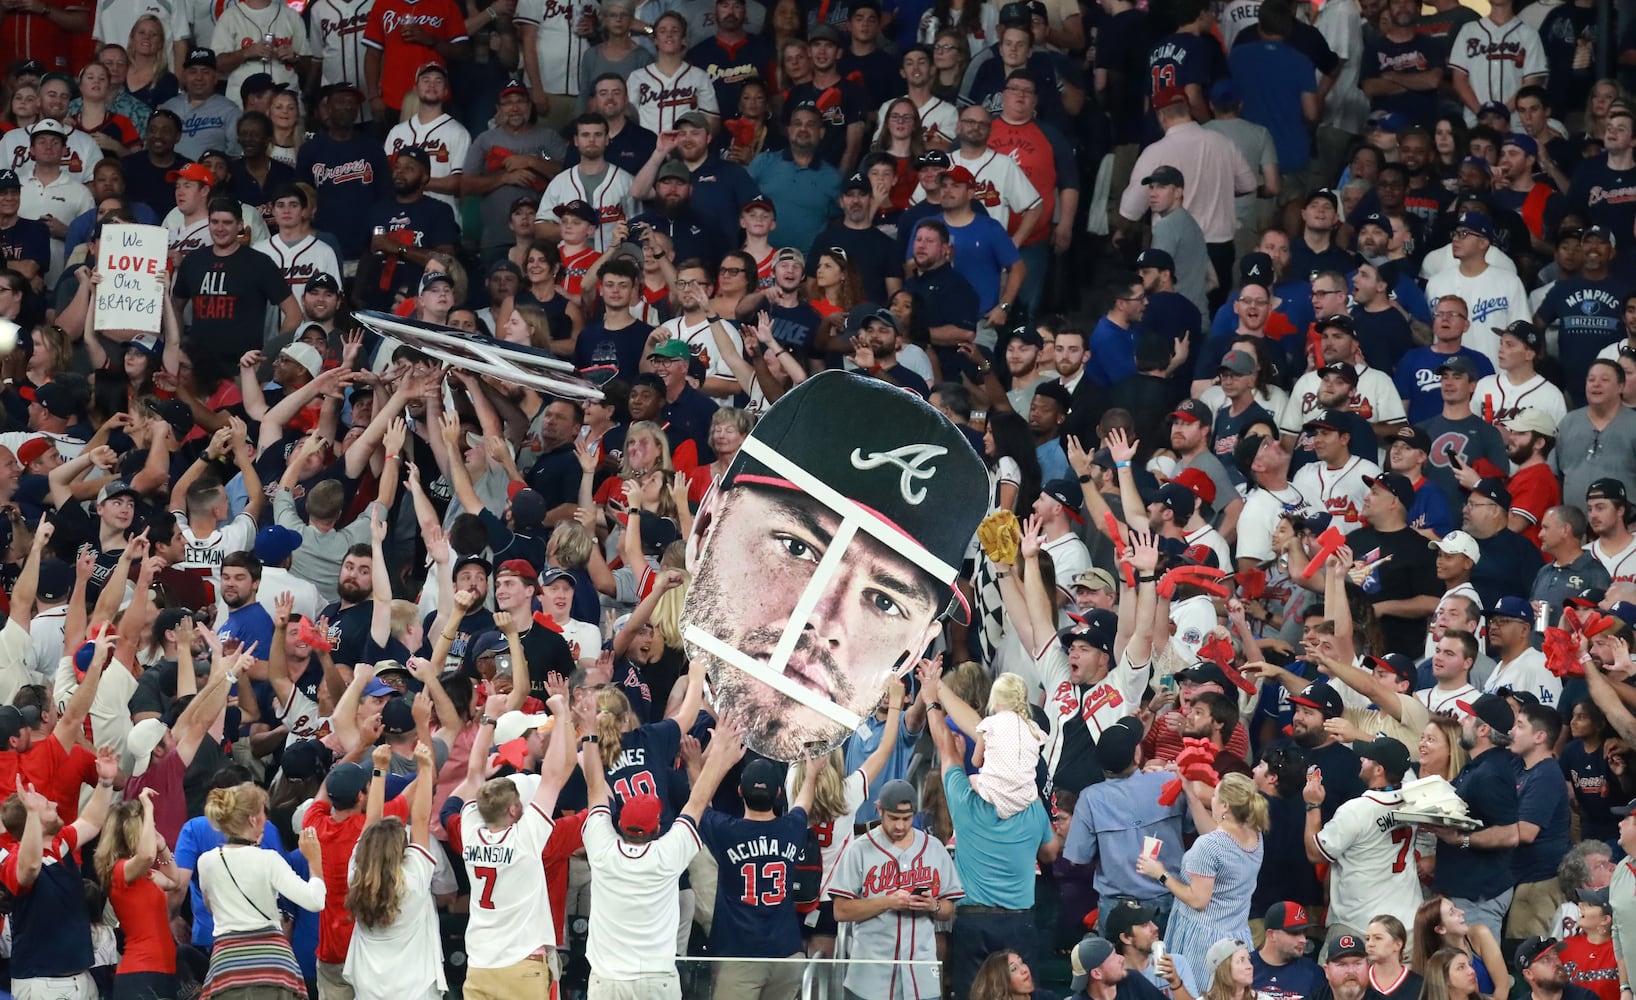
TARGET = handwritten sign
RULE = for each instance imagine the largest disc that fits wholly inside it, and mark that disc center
(130, 261)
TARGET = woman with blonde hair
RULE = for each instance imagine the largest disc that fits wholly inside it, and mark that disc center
(529, 326)
(835, 803)
(396, 952)
(951, 54)
(1450, 975)
(135, 866)
(241, 884)
(1217, 877)
(617, 728)
(288, 129)
(1384, 941)
(1231, 972)
(114, 133)
(1440, 926)
(729, 426)
(149, 78)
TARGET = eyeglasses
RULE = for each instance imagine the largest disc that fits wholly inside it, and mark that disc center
(901, 117)
(1448, 315)
(1022, 91)
(1319, 293)
(944, 47)
(1254, 302)
(731, 270)
(683, 284)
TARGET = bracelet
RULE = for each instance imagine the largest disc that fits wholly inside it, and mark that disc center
(1121, 465)
(449, 638)
(1147, 578)
(1314, 806)
(391, 458)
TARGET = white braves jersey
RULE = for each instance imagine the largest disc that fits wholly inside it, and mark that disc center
(1496, 59)
(702, 342)
(634, 896)
(1098, 705)
(611, 198)
(114, 19)
(1259, 519)
(1375, 400)
(445, 141)
(1498, 398)
(510, 909)
(1527, 672)
(659, 100)
(560, 51)
(1340, 491)
(1371, 861)
(938, 119)
(1437, 699)
(184, 237)
(302, 717)
(335, 34)
(239, 27)
(834, 836)
(204, 555)
(79, 159)
(1001, 187)
(872, 867)
(301, 261)
(1621, 565)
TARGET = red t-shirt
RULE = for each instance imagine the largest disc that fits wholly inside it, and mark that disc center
(338, 837)
(34, 36)
(145, 917)
(1028, 147)
(400, 59)
(38, 765)
(65, 848)
(574, 266)
(1534, 490)
(80, 768)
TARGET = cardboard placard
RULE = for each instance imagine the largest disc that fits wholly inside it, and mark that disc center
(130, 259)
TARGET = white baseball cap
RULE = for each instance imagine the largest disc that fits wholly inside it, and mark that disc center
(140, 741)
(1458, 543)
(306, 356)
(514, 724)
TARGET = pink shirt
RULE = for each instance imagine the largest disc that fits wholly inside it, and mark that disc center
(1211, 165)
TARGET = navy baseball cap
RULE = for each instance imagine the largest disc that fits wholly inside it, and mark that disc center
(1476, 222)
(759, 784)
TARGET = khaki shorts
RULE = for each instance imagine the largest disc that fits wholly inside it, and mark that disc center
(332, 985)
(529, 979)
(752, 980)
(666, 987)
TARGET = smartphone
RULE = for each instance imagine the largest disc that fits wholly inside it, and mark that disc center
(924, 890)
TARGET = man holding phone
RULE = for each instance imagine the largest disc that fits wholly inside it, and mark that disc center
(893, 882)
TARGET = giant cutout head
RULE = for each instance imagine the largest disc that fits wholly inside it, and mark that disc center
(825, 559)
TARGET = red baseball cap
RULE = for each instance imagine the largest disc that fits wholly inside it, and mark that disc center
(1166, 97)
(959, 175)
(639, 817)
(1198, 483)
(33, 448)
(196, 172)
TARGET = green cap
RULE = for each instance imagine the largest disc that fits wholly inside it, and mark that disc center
(673, 348)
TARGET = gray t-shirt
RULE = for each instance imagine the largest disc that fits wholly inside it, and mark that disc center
(1178, 234)
(1583, 454)
(1472, 438)
(496, 207)
(597, 63)
(1211, 466)
(1255, 142)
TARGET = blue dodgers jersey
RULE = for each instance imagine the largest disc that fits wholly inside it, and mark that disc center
(755, 916)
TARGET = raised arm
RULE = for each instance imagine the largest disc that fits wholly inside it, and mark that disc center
(28, 581)
(872, 765)
(688, 711)
(380, 612)
(726, 749)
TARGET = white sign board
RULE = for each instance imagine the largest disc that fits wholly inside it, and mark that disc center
(130, 260)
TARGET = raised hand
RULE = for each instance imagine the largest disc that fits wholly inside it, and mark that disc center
(283, 607)
(505, 622)
(1033, 538)
(1121, 446)
(381, 757)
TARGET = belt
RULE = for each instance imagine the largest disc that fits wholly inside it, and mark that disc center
(987, 909)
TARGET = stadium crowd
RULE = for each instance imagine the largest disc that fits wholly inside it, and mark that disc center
(1299, 341)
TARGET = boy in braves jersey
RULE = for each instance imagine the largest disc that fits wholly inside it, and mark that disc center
(594, 181)
(893, 882)
(577, 224)
(1370, 855)
(755, 859)
(1336, 479)
(295, 248)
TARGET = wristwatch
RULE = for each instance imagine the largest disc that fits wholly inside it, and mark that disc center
(1465, 841)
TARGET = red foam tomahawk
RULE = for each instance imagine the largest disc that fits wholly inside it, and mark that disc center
(1329, 543)
(1206, 578)
(1117, 534)
(1196, 762)
(307, 632)
(1220, 652)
